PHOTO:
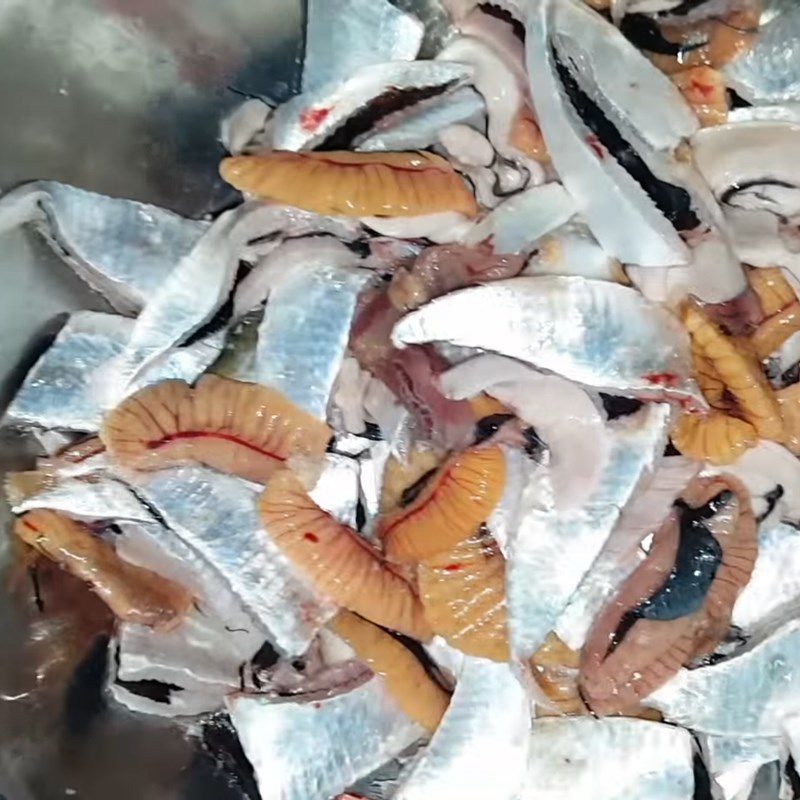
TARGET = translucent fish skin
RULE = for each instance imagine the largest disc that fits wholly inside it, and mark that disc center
(306, 121)
(314, 751)
(303, 336)
(617, 340)
(480, 748)
(551, 551)
(216, 516)
(609, 759)
(765, 680)
(345, 35)
(121, 248)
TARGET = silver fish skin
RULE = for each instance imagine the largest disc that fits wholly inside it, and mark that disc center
(734, 762)
(343, 36)
(765, 679)
(770, 71)
(620, 554)
(519, 222)
(552, 550)
(480, 748)
(337, 489)
(609, 759)
(303, 337)
(315, 750)
(426, 121)
(308, 120)
(216, 516)
(616, 341)
(612, 202)
(121, 248)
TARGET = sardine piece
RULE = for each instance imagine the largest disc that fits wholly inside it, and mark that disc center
(123, 249)
(315, 750)
(620, 555)
(343, 36)
(480, 748)
(421, 127)
(519, 222)
(765, 680)
(215, 515)
(734, 762)
(609, 759)
(339, 113)
(615, 339)
(304, 334)
(551, 551)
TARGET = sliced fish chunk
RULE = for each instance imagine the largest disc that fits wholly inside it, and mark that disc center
(733, 763)
(480, 748)
(609, 759)
(123, 249)
(215, 515)
(593, 332)
(343, 36)
(315, 750)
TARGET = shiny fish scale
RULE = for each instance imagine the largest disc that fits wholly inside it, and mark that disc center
(344, 35)
(609, 759)
(121, 248)
(550, 552)
(593, 332)
(765, 681)
(315, 750)
(480, 748)
(216, 515)
(303, 336)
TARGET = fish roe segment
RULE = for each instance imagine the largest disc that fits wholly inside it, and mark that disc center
(133, 594)
(234, 427)
(336, 561)
(554, 667)
(789, 402)
(772, 289)
(526, 136)
(717, 437)
(739, 370)
(419, 697)
(705, 90)
(775, 330)
(457, 499)
(405, 476)
(464, 595)
(353, 184)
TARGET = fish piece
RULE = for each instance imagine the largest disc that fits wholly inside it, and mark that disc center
(621, 553)
(172, 701)
(767, 72)
(554, 668)
(655, 625)
(704, 88)
(733, 762)
(441, 228)
(481, 746)
(315, 750)
(716, 437)
(335, 560)
(132, 593)
(235, 427)
(450, 507)
(537, 592)
(336, 115)
(463, 592)
(345, 35)
(420, 128)
(123, 249)
(443, 268)
(304, 334)
(245, 129)
(517, 224)
(647, 356)
(763, 678)
(563, 415)
(774, 331)
(215, 515)
(337, 488)
(789, 404)
(774, 292)
(418, 696)
(609, 759)
(345, 183)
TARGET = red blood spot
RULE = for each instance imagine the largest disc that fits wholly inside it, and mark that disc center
(311, 537)
(668, 379)
(227, 437)
(311, 119)
(317, 705)
(704, 89)
(597, 146)
(453, 567)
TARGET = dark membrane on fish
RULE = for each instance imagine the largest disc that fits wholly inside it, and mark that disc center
(671, 450)
(771, 499)
(702, 778)
(645, 33)
(730, 193)
(411, 493)
(735, 640)
(372, 432)
(616, 407)
(157, 691)
(489, 426)
(221, 747)
(361, 515)
(493, 10)
(221, 319)
(416, 649)
(792, 777)
(735, 100)
(391, 102)
(535, 448)
(672, 201)
(360, 247)
(382, 784)
(84, 701)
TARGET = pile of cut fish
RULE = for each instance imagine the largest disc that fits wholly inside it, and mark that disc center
(459, 459)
